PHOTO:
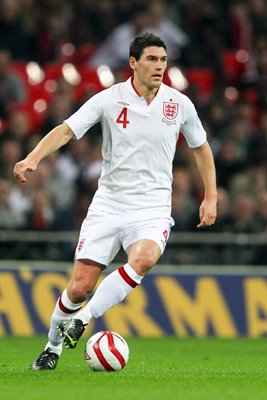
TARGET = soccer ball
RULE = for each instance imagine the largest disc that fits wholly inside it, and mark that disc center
(106, 351)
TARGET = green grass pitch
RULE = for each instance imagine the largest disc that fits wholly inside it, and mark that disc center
(158, 369)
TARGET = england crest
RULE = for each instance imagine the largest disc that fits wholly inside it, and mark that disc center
(170, 110)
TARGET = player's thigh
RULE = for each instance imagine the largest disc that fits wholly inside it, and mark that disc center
(154, 231)
(143, 255)
(145, 241)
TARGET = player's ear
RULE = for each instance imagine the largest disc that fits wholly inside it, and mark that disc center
(132, 62)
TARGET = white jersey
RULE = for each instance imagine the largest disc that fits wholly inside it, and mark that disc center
(139, 143)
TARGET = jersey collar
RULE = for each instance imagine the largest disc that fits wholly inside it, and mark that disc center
(132, 89)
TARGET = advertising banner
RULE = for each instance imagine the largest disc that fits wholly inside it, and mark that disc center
(181, 304)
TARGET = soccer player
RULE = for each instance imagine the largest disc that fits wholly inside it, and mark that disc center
(141, 120)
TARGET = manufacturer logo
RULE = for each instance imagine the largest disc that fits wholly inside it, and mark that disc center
(86, 356)
(123, 103)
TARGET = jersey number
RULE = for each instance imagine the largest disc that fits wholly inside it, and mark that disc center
(122, 118)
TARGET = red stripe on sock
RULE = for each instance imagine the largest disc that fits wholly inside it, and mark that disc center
(127, 278)
(65, 309)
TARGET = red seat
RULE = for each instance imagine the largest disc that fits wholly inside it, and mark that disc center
(82, 54)
(20, 68)
(37, 92)
(35, 89)
(202, 78)
(35, 112)
(234, 64)
(53, 71)
(90, 82)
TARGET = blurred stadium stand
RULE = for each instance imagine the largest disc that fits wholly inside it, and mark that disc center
(222, 68)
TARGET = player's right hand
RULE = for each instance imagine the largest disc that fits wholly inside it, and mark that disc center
(21, 167)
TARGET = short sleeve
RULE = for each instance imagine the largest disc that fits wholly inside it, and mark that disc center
(87, 115)
(192, 128)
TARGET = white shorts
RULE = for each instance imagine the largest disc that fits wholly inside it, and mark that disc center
(102, 235)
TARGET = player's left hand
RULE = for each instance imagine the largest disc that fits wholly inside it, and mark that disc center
(207, 213)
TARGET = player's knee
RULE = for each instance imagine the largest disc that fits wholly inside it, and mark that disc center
(79, 291)
(143, 261)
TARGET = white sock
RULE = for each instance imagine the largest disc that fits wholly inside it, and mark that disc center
(111, 291)
(63, 310)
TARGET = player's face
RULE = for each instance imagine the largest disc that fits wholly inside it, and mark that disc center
(150, 67)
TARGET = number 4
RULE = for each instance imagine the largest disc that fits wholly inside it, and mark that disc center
(122, 118)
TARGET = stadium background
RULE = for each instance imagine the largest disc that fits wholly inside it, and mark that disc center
(207, 283)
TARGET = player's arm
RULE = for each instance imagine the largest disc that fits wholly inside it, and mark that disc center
(55, 139)
(205, 163)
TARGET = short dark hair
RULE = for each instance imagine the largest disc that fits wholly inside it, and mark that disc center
(141, 42)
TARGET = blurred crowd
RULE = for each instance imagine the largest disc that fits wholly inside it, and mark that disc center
(220, 47)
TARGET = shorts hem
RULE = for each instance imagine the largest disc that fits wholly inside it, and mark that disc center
(104, 263)
(145, 238)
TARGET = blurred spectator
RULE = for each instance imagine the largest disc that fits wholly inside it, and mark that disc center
(92, 171)
(223, 223)
(10, 218)
(251, 181)
(228, 161)
(114, 52)
(60, 108)
(12, 89)
(198, 33)
(21, 199)
(218, 115)
(41, 214)
(18, 127)
(246, 111)
(183, 204)
(204, 22)
(62, 192)
(161, 25)
(258, 16)
(93, 21)
(261, 215)
(13, 36)
(243, 215)
(244, 220)
(73, 160)
(124, 9)
(239, 130)
(72, 218)
(258, 145)
(260, 79)
(261, 212)
(10, 153)
(41, 217)
(240, 26)
(52, 34)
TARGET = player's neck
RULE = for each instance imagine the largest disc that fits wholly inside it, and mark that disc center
(144, 91)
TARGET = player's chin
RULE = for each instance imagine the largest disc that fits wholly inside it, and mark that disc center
(156, 82)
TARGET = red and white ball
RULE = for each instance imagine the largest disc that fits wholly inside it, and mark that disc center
(106, 351)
